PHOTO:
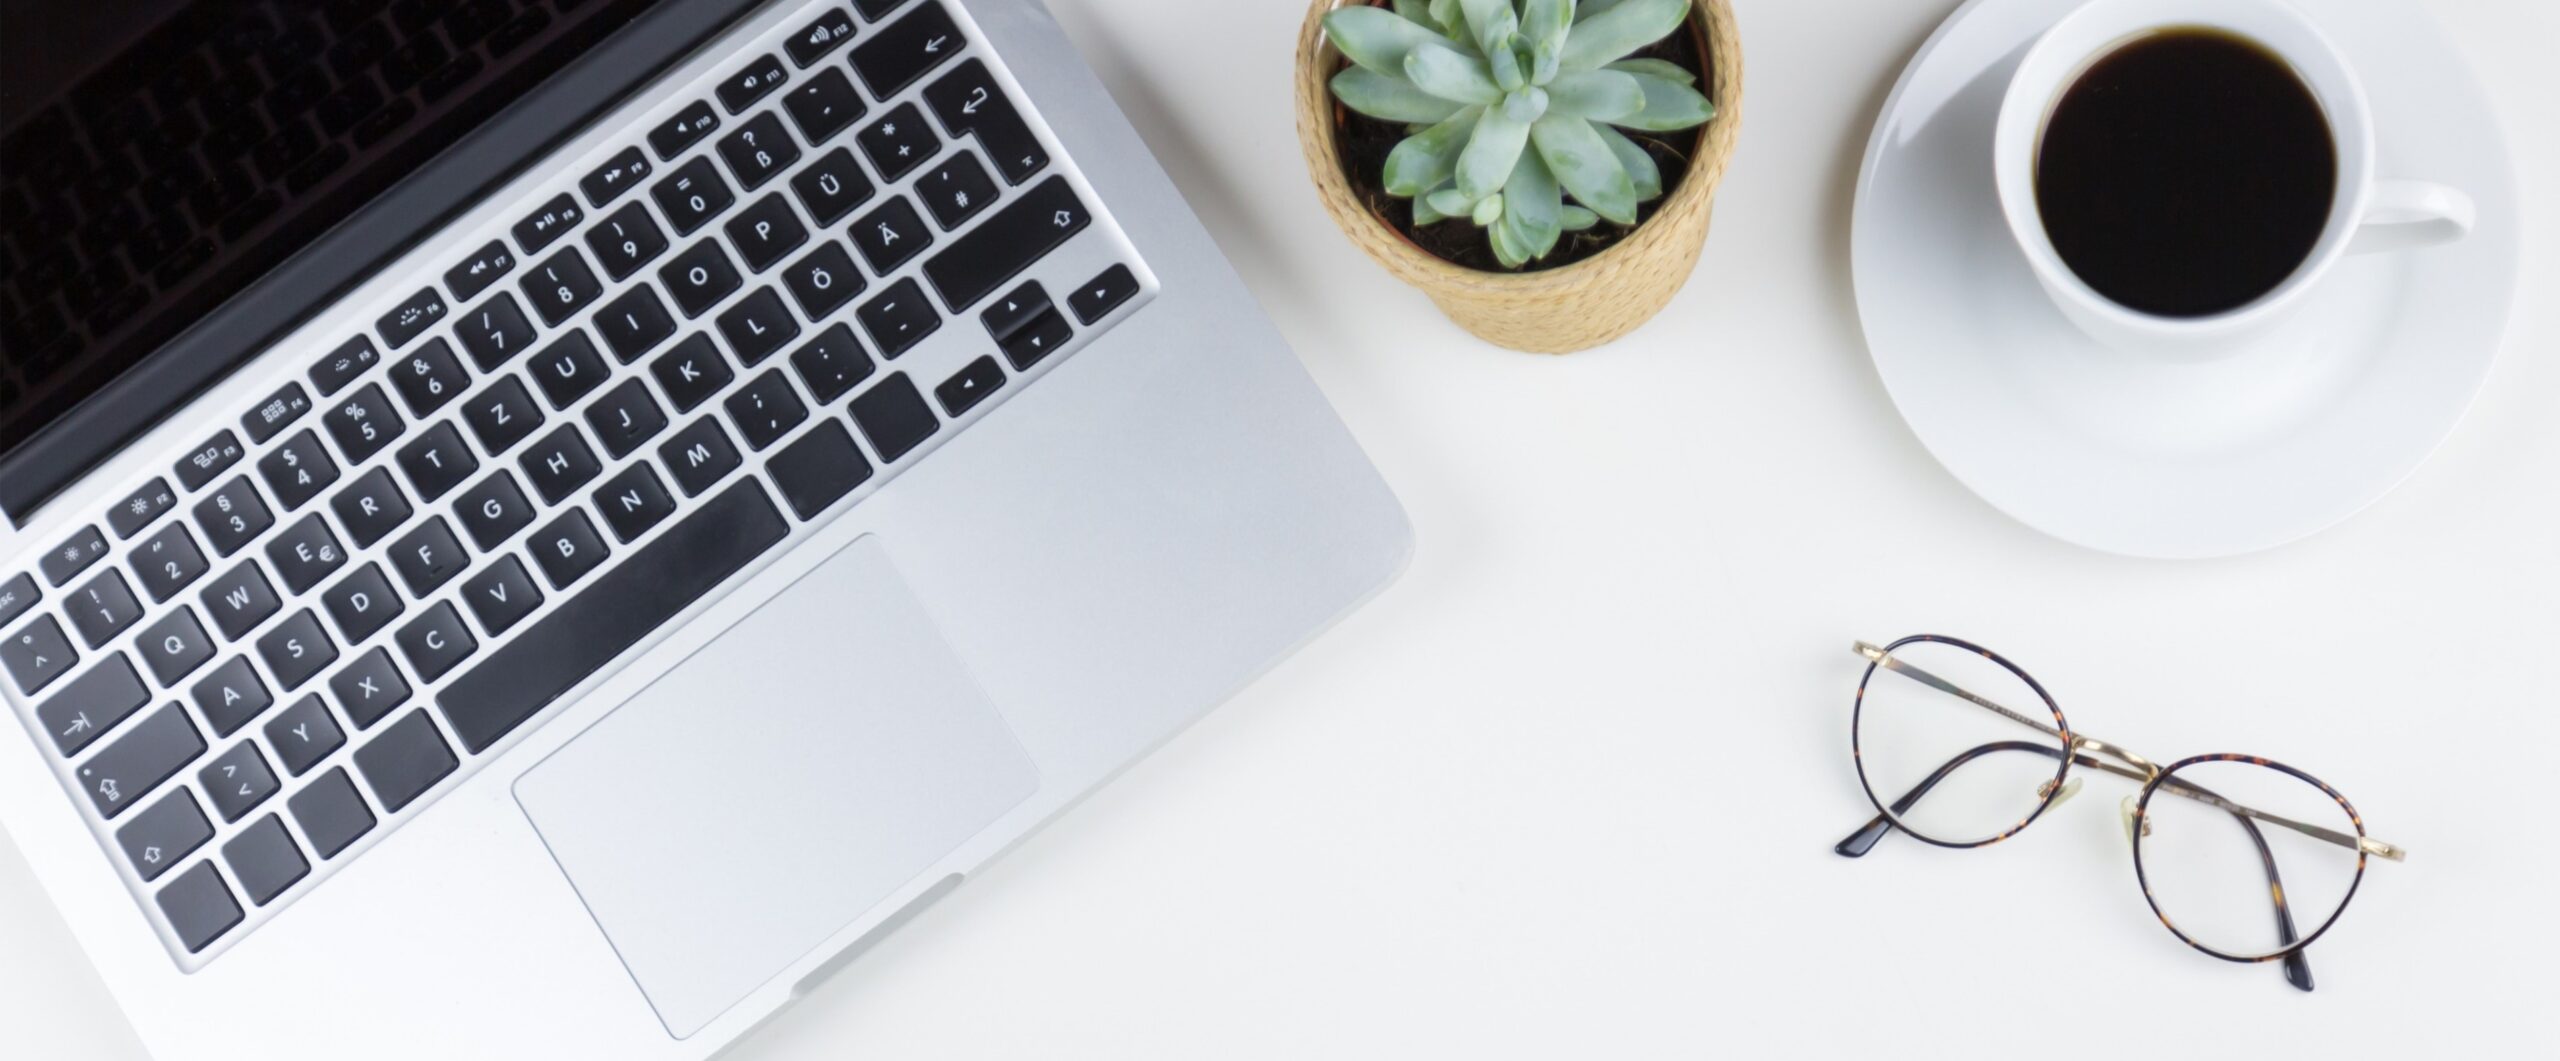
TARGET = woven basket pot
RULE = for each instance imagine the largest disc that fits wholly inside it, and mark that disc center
(1549, 311)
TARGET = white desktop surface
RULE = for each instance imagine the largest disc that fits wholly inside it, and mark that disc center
(1570, 787)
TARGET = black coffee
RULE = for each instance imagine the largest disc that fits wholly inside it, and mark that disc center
(2186, 173)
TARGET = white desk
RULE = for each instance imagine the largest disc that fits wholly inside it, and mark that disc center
(1570, 788)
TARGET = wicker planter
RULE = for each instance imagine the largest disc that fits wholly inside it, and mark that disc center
(1553, 311)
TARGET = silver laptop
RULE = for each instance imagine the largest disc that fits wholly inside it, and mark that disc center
(541, 527)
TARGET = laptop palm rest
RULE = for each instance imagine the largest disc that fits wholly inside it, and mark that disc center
(775, 786)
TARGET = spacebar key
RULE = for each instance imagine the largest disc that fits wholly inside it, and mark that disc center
(648, 588)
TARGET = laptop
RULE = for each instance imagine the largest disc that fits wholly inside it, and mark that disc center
(543, 527)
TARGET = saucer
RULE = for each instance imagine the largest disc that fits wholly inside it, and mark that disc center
(2147, 456)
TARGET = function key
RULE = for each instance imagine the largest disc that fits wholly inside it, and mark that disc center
(480, 270)
(824, 106)
(742, 89)
(140, 508)
(549, 223)
(875, 9)
(899, 142)
(970, 103)
(283, 407)
(969, 386)
(74, 556)
(619, 174)
(819, 37)
(907, 49)
(208, 460)
(411, 318)
(1103, 293)
(686, 129)
(341, 366)
(17, 594)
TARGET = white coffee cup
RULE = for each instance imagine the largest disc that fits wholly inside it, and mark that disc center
(2367, 214)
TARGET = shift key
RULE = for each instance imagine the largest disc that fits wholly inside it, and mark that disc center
(128, 768)
(1003, 245)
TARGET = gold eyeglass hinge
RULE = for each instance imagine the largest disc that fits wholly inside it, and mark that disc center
(2378, 849)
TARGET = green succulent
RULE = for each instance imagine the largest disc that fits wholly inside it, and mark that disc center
(1511, 105)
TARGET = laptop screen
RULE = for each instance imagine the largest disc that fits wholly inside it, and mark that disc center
(158, 156)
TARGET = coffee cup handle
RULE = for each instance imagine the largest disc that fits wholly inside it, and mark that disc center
(2403, 215)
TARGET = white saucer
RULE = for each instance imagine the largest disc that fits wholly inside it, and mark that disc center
(2147, 457)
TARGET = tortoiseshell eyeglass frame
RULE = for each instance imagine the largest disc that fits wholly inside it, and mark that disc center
(2072, 748)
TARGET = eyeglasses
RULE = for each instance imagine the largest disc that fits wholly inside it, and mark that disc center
(1942, 727)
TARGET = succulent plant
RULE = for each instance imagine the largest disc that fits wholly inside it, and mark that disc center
(1511, 104)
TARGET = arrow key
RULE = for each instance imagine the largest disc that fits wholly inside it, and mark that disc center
(165, 835)
(236, 782)
(1035, 341)
(1102, 294)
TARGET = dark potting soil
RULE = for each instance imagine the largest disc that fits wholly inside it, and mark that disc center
(1363, 143)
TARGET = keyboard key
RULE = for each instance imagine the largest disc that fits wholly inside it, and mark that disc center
(757, 326)
(548, 223)
(899, 142)
(633, 501)
(411, 318)
(1006, 243)
(567, 548)
(495, 332)
(220, 452)
(699, 456)
(305, 553)
(265, 861)
(199, 907)
(626, 240)
(625, 417)
(765, 231)
(502, 594)
(875, 10)
(894, 417)
(898, 319)
(501, 415)
(102, 608)
(17, 594)
(236, 781)
(492, 511)
(141, 508)
(176, 645)
(435, 642)
(692, 195)
(823, 280)
(907, 49)
(362, 603)
(560, 286)
(429, 377)
(758, 151)
(233, 516)
(699, 278)
(956, 190)
(813, 41)
(331, 813)
(970, 103)
(92, 704)
(129, 767)
(371, 507)
(831, 364)
(369, 688)
(692, 372)
(405, 760)
(687, 128)
(238, 600)
(1018, 307)
(1034, 341)
(297, 649)
(428, 557)
(566, 370)
(283, 407)
(588, 630)
(364, 424)
(831, 186)
(969, 386)
(303, 735)
(619, 174)
(823, 106)
(231, 696)
(741, 90)
(159, 838)
(299, 469)
(818, 469)
(438, 461)
(766, 409)
(483, 268)
(890, 235)
(70, 558)
(1102, 294)
(559, 464)
(634, 324)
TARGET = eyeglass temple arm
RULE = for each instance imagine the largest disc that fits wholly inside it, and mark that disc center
(2146, 771)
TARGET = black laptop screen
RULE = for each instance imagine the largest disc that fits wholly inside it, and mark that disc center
(158, 156)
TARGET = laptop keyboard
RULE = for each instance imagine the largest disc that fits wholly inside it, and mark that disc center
(690, 344)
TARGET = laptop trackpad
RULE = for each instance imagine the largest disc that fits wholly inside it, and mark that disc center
(775, 786)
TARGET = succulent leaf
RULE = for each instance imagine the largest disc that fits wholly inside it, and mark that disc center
(1426, 214)
(1506, 249)
(1661, 68)
(1488, 210)
(1589, 8)
(1543, 21)
(1583, 163)
(1526, 105)
(1452, 20)
(1640, 166)
(1600, 95)
(1576, 218)
(1545, 59)
(1389, 98)
(1492, 23)
(1451, 202)
(1441, 71)
(1532, 207)
(1377, 38)
(1417, 12)
(1506, 70)
(1667, 105)
(1490, 154)
(1608, 36)
(1426, 159)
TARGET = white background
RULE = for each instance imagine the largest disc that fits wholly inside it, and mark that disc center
(1570, 787)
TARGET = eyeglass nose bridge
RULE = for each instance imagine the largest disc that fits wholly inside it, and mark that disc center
(2149, 771)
